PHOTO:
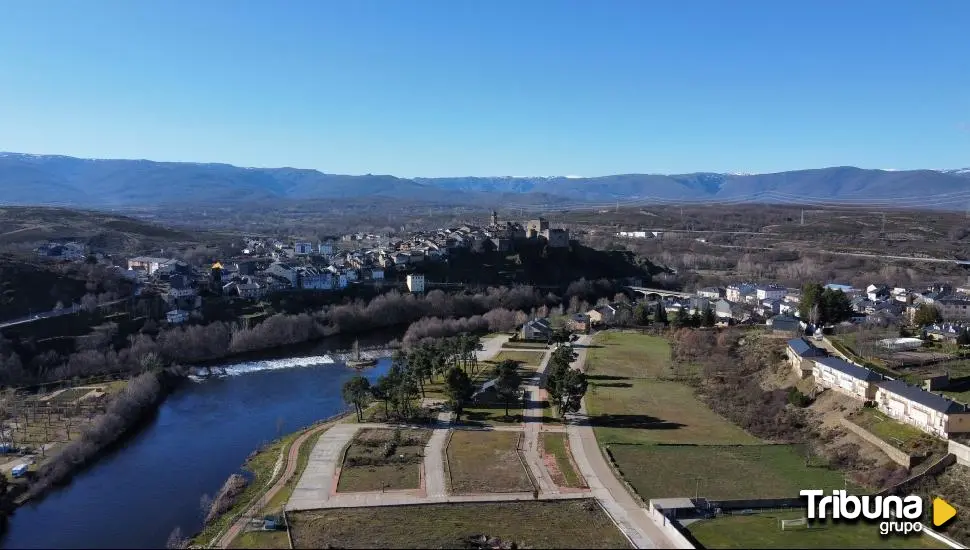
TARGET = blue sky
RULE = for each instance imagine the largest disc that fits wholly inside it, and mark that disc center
(497, 87)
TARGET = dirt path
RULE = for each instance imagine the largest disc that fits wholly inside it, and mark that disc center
(292, 461)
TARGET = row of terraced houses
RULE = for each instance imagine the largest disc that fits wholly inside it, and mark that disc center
(928, 411)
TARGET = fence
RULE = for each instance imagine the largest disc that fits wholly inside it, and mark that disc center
(618, 474)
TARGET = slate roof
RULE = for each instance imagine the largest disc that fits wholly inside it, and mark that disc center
(805, 349)
(855, 371)
(923, 397)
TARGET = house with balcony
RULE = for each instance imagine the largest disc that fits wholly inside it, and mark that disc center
(737, 293)
(770, 292)
(711, 293)
(842, 376)
(801, 355)
(953, 308)
(925, 410)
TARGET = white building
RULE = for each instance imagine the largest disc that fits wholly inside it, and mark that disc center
(927, 411)
(311, 279)
(711, 293)
(303, 249)
(148, 264)
(736, 293)
(416, 283)
(771, 292)
(325, 248)
(901, 344)
(177, 316)
(842, 376)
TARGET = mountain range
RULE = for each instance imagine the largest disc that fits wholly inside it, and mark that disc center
(103, 183)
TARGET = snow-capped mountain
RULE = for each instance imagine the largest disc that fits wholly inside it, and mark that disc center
(55, 179)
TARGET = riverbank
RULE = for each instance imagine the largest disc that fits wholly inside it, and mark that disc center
(275, 469)
(126, 412)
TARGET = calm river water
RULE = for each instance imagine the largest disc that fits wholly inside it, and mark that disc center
(134, 496)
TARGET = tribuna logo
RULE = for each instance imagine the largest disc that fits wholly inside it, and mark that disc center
(894, 514)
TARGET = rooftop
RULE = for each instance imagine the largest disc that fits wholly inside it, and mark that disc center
(923, 397)
(805, 349)
(855, 371)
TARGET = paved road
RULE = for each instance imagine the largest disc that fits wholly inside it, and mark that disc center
(317, 487)
(292, 460)
(317, 483)
(491, 347)
(435, 484)
(533, 425)
(611, 493)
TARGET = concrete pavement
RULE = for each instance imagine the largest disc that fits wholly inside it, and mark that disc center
(317, 487)
(318, 480)
(533, 425)
(435, 484)
(626, 512)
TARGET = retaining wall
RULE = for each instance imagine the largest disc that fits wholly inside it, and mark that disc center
(960, 451)
(898, 456)
(670, 528)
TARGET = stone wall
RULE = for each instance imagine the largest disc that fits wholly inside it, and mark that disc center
(899, 457)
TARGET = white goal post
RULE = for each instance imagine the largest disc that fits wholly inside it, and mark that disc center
(786, 523)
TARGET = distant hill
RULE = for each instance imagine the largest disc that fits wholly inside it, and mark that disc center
(68, 181)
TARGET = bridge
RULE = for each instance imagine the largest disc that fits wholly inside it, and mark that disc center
(660, 292)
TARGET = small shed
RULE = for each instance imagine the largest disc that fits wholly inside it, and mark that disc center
(19, 470)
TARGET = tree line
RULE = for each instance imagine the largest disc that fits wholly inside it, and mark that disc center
(502, 308)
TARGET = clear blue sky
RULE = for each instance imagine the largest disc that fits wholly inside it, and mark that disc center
(491, 87)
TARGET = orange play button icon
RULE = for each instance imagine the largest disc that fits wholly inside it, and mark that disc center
(942, 511)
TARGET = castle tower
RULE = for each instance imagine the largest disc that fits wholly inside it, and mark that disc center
(494, 218)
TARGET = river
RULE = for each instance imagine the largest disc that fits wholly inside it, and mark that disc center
(134, 496)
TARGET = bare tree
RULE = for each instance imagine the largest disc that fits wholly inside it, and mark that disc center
(813, 315)
(176, 540)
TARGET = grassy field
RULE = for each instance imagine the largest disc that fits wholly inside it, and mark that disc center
(902, 436)
(489, 410)
(555, 447)
(69, 396)
(486, 462)
(378, 460)
(261, 539)
(721, 472)
(546, 524)
(530, 358)
(628, 355)
(627, 403)
(654, 411)
(764, 531)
